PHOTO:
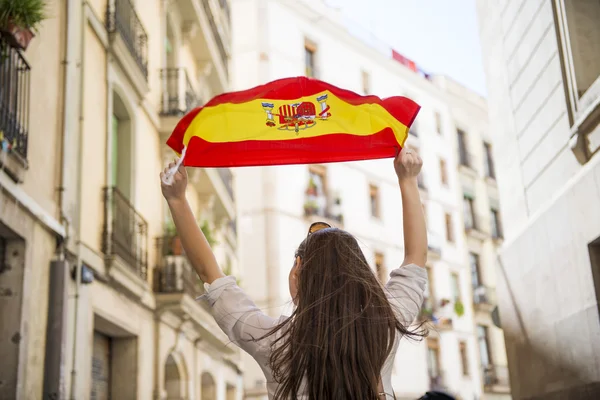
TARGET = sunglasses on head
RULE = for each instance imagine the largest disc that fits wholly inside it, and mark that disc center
(317, 226)
(314, 227)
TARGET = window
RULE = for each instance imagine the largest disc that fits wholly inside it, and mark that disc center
(463, 155)
(455, 282)
(443, 172)
(310, 50)
(489, 161)
(580, 35)
(449, 228)
(483, 343)
(475, 270)
(380, 267)
(317, 189)
(433, 357)
(374, 201)
(594, 250)
(366, 82)
(495, 222)
(464, 357)
(469, 213)
(438, 123)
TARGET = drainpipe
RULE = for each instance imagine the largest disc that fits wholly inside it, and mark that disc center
(72, 3)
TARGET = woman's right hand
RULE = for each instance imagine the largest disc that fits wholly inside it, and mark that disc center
(407, 164)
(176, 190)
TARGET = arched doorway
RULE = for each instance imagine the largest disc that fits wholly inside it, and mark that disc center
(175, 380)
(209, 388)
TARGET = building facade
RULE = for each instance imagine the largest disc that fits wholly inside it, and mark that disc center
(97, 298)
(542, 60)
(276, 39)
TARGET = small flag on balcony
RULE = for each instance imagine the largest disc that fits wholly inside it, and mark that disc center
(292, 121)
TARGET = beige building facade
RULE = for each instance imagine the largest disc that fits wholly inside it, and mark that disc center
(97, 298)
(542, 60)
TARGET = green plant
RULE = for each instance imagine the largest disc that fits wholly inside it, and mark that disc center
(170, 229)
(208, 233)
(459, 308)
(23, 13)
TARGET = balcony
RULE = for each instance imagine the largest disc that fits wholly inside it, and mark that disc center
(434, 246)
(125, 233)
(437, 381)
(473, 226)
(431, 312)
(484, 298)
(495, 379)
(466, 163)
(176, 287)
(179, 96)
(14, 100)
(129, 41)
(216, 33)
(174, 274)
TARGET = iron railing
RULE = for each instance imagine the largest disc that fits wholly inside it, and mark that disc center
(216, 34)
(173, 273)
(125, 232)
(179, 95)
(495, 376)
(437, 381)
(227, 178)
(14, 99)
(483, 295)
(122, 18)
(473, 221)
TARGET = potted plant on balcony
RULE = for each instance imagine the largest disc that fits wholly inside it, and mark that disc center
(310, 208)
(311, 190)
(174, 242)
(19, 19)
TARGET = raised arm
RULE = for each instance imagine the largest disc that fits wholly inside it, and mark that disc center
(408, 165)
(196, 246)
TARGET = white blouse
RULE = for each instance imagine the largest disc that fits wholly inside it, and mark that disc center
(243, 322)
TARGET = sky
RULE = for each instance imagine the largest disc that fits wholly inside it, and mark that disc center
(441, 36)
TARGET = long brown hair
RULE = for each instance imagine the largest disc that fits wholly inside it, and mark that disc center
(343, 329)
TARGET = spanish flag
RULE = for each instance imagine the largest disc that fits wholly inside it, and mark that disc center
(292, 121)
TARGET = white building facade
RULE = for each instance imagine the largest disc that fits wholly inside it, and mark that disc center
(542, 60)
(276, 39)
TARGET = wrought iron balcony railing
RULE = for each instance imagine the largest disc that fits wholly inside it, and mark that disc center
(495, 378)
(125, 232)
(122, 18)
(437, 381)
(216, 33)
(14, 99)
(179, 96)
(173, 273)
(484, 296)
